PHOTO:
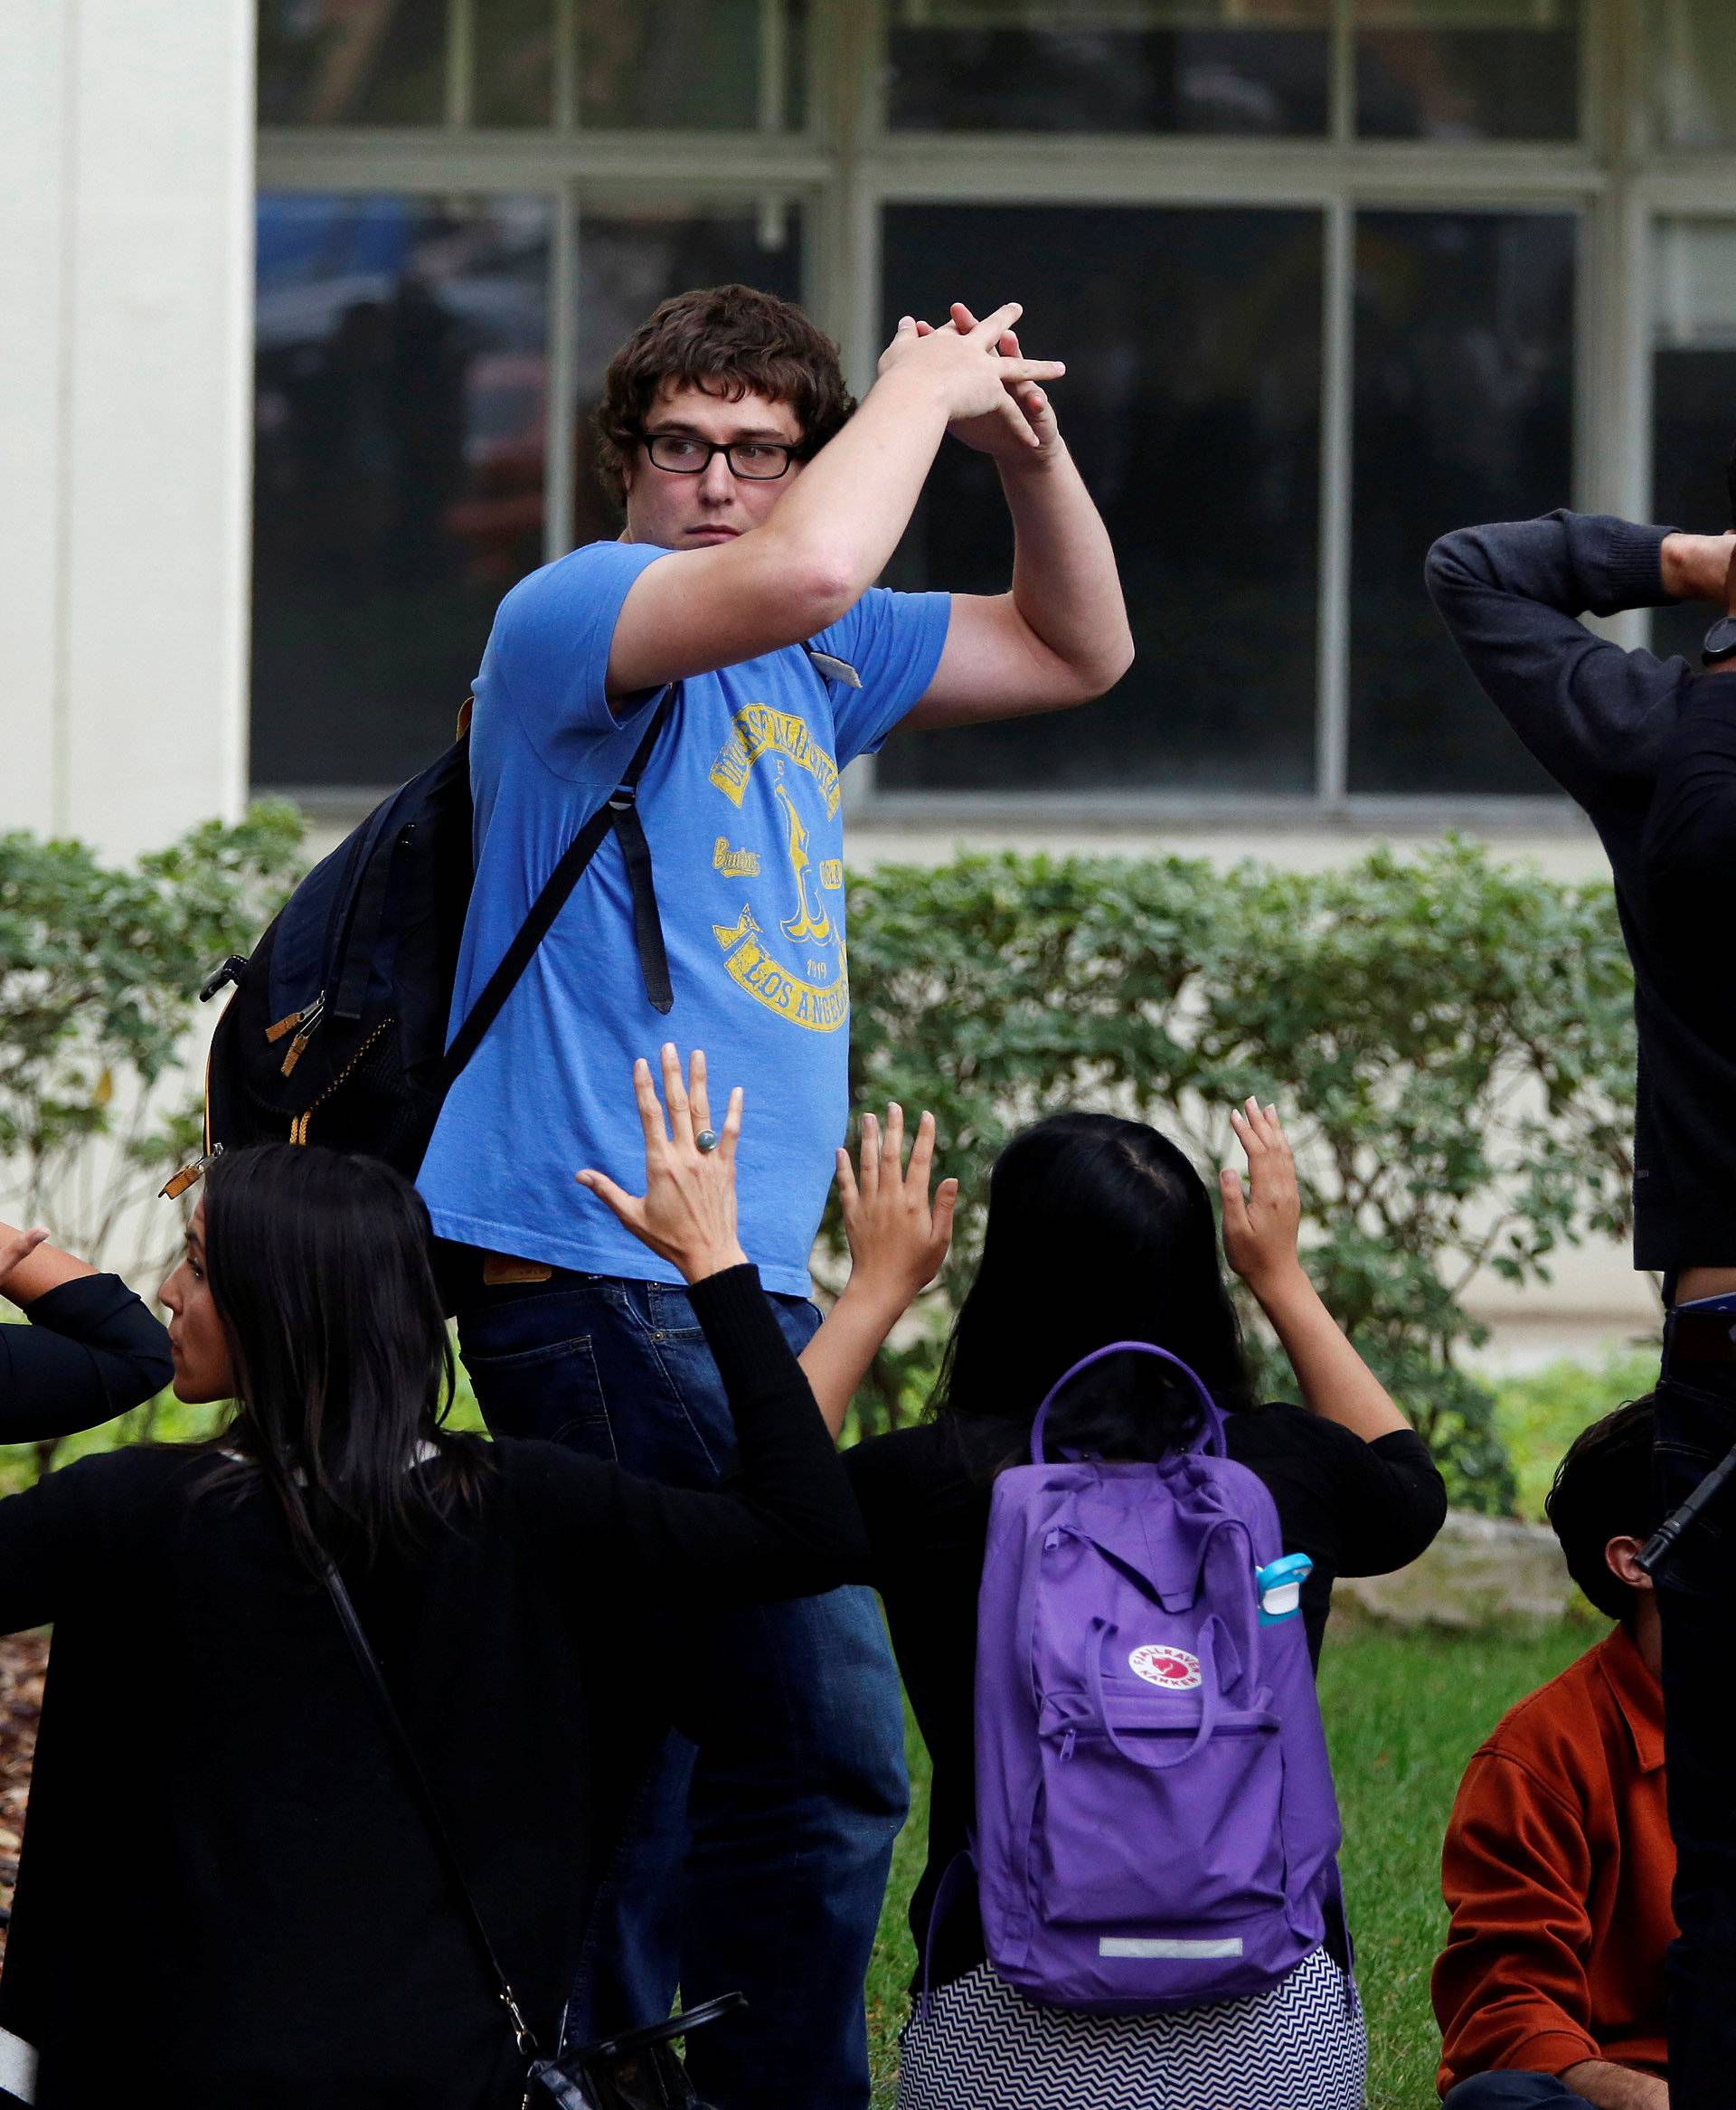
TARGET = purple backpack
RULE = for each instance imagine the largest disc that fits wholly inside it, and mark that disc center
(1156, 1821)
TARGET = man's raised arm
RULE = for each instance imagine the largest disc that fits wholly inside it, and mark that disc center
(1512, 595)
(1060, 636)
(832, 531)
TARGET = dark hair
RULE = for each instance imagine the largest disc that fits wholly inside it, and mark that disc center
(1603, 1491)
(320, 1269)
(1099, 1230)
(731, 341)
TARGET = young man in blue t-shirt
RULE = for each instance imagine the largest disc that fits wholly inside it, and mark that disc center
(759, 511)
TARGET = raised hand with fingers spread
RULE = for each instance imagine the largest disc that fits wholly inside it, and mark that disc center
(686, 1215)
(897, 1238)
(1261, 1227)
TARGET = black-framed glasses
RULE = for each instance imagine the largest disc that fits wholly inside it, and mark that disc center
(683, 454)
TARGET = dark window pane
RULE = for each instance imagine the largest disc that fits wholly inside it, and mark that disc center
(1693, 397)
(709, 65)
(515, 62)
(401, 385)
(1693, 56)
(1467, 70)
(629, 259)
(352, 62)
(1464, 413)
(1192, 403)
(1138, 66)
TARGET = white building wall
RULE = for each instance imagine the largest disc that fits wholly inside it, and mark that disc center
(127, 133)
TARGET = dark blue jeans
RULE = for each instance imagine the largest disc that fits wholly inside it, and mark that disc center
(1696, 1425)
(1513, 2091)
(758, 1857)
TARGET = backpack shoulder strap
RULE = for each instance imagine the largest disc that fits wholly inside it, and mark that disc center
(619, 811)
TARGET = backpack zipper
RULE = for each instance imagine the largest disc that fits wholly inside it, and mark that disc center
(298, 1125)
(307, 1020)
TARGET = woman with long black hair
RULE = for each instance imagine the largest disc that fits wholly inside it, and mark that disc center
(1101, 1231)
(229, 1895)
(91, 1350)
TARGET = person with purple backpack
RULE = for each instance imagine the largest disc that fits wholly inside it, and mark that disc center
(1155, 1916)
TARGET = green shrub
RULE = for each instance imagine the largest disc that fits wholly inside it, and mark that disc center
(1449, 1038)
(1539, 1415)
(98, 969)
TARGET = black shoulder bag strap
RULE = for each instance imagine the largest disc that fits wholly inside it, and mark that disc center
(399, 1737)
(619, 811)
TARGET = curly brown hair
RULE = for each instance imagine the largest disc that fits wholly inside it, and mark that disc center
(731, 341)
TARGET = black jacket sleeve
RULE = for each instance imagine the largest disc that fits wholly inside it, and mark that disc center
(91, 1351)
(784, 1525)
(1392, 1502)
(1593, 714)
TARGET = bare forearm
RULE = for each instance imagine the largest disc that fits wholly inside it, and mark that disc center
(838, 1357)
(1065, 585)
(1335, 1381)
(39, 1272)
(1617, 2087)
(845, 514)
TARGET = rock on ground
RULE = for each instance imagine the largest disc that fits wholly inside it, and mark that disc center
(1482, 1571)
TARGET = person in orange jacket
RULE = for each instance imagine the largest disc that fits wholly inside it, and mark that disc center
(1558, 1859)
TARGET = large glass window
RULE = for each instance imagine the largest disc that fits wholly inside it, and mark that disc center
(1467, 70)
(1694, 396)
(724, 65)
(1694, 55)
(716, 65)
(1107, 66)
(1464, 413)
(401, 386)
(402, 435)
(352, 62)
(1192, 403)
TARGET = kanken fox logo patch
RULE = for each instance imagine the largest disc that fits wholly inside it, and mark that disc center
(1173, 1669)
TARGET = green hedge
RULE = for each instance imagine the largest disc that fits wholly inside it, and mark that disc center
(1450, 1037)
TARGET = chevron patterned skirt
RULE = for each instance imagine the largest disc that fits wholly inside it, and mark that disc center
(1300, 2047)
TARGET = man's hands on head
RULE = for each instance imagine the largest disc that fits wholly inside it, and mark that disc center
(1700, 567)
(686, 1215)
(988, 390)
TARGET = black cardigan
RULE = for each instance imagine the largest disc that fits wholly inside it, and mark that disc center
(1600, 719)
(91, 1351)
(227, 1897)
(1357, 1509)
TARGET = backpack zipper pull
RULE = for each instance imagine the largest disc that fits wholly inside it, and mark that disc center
(277, 1032)
(1067, 1743)
(309, 1022)
(189, 1175)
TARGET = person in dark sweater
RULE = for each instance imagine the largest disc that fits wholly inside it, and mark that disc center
(227, 1895)
(1099, 1230)
(91, 1350)
(1648, 748)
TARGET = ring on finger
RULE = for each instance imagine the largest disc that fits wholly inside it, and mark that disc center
(707, 1140)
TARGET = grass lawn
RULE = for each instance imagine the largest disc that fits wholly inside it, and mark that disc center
(1404, 1712)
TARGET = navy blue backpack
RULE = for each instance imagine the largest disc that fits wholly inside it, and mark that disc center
(337, 1031)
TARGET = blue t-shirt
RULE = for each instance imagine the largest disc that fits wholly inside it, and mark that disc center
(742, 807)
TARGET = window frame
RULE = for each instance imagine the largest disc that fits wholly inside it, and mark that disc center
(843, 168)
